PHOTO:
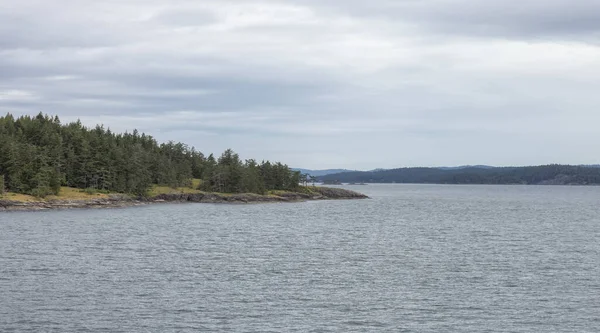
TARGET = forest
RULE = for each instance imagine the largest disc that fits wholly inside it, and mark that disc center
(554, 174)
(39, 154)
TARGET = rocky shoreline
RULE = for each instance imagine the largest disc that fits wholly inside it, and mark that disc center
(120, 201)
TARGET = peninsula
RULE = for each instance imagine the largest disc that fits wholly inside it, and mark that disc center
(70, 198)
(45, 164)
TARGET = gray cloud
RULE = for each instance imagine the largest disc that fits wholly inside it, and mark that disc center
(548, 18)
(509, 19)
(185, 17)
(318, 83)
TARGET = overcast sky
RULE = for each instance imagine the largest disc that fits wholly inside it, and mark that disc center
(318, 83)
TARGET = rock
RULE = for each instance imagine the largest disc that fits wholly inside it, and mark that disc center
(121, 200)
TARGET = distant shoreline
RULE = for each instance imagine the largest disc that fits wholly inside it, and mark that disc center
(471, 184)
(553, 174)
(463, 184)
(122, 201)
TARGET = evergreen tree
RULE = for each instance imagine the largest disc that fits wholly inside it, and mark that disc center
(39, 154)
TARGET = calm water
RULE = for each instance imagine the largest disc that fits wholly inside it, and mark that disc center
(413, 259)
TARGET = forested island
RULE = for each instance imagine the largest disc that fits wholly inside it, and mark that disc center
(40, 157)
(554, 174)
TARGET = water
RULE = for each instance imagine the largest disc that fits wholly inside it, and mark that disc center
(414, 258)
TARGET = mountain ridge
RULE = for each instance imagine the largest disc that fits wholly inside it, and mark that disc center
(323, 172)
(552, 174)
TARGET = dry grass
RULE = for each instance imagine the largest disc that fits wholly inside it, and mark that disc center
(156, 190)
(18, 197)
(69, 193)
(66, 193)
(301, 189)
(196, 182)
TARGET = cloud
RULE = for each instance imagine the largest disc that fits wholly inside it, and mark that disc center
(332, 83)
(16, 95)
(532, 19)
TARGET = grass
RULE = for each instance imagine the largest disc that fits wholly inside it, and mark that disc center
(157, 190)
(301, 189)
(70, 193)
(66, 193)
(196, 182)
(18, 197)
(307, 190)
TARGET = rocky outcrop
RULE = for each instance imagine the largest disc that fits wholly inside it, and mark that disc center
(316, 193)
(215, 198)
(338, 193)
(113, 201)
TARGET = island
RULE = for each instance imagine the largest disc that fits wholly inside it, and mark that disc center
(45, 164)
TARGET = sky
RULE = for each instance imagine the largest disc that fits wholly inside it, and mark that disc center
(318, 83)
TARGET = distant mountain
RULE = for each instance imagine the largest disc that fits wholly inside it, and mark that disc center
(319, 173)
(467, 167)
(532, 175)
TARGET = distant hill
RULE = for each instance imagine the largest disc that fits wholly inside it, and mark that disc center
(542, 175)
(467, 167)
(318, 173)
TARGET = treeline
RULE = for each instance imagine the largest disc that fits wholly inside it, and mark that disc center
(38, 155)
(554, 174)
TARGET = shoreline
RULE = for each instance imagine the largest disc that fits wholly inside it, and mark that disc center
(124, 201)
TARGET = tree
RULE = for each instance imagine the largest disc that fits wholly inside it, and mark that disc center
(251, 180)
(38, 155)
(304, 178)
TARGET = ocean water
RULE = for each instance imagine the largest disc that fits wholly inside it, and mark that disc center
(414, 258)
